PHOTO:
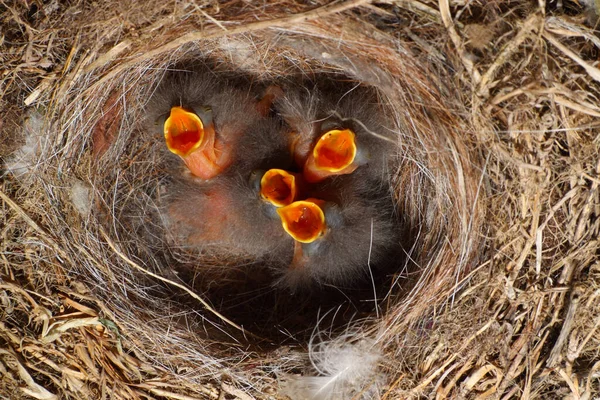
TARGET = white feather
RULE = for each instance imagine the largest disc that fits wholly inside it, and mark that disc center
(343, 368)
(23, 161)
(81, 196)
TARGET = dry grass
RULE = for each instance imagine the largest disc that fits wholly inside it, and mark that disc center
(497, 179)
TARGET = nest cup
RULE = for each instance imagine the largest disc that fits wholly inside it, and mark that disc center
(137, 272)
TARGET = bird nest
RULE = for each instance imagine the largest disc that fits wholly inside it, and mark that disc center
(494, 178)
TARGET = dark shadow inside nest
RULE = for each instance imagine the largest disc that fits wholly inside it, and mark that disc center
(279, 316)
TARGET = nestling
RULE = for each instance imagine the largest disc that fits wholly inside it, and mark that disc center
(337, 132)
(227, 216)
(205, 120)
(339, 234)
(233, 214)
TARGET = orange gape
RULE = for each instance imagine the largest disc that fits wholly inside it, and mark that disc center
(278, 187)
(194, 141)
(184, 132)
(333, 154)
(303, 220)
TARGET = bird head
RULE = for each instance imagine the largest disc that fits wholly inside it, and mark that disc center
(191, 135)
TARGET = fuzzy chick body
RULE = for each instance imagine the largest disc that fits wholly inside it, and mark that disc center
(360, 234)
(227, 215)
(361, 223)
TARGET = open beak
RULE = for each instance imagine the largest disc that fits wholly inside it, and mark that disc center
(192, 137)
(303, 220)
(333, 154)
(278, 187)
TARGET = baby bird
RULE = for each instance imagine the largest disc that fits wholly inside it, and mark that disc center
(347, 228)
(228, 217)
(205, 118)
(191, 135)
(233, 215)
(336, 134)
